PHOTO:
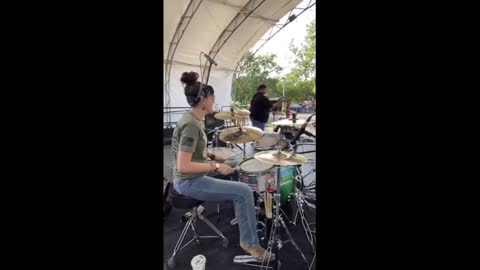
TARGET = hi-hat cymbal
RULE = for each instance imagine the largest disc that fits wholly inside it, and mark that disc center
(227, 116)
(289, 122)
(240, 134)
(281, 159)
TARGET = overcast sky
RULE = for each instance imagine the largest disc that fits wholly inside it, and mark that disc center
(296, 30)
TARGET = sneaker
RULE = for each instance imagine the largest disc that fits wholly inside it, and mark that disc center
(258, 252)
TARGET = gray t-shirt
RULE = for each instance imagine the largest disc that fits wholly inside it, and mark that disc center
(188, 136)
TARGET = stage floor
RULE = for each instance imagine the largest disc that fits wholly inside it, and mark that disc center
(221, 258)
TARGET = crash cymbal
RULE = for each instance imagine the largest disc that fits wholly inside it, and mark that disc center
(240, 134)
(227, 116)
(281, 159)
(289, 122)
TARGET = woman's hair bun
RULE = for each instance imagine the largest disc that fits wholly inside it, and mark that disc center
(189, 78)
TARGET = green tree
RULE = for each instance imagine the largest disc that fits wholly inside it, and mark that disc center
(305, 55)
(255, 70)
(300, 82)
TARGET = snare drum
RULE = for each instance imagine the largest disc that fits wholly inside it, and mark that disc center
(256, 174)
(267, 141)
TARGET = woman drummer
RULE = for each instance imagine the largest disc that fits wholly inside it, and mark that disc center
(189, 149)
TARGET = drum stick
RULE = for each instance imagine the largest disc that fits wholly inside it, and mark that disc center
(268, 205)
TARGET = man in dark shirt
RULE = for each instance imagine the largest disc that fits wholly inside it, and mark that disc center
(260, 107)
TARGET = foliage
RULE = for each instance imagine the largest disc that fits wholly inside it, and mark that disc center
(254, 71)
(304, 60)
(257, 69)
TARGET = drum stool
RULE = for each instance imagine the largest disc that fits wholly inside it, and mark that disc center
(183, 202)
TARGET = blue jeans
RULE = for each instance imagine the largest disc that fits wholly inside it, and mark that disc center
(206, 188)
(258, 124)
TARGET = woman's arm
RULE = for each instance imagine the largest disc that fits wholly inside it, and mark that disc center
(185, 165)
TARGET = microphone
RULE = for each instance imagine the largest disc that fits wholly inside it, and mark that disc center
(210, 59)
(302, 130)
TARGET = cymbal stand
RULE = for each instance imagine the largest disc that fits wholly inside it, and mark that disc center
(215, 131)
(244, 150)
(299, 199)
(278, 220)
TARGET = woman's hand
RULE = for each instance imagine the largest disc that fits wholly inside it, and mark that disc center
(225, 169)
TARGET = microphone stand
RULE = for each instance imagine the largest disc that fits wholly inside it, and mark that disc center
(298, 195)
(301, 131)
(209, 67)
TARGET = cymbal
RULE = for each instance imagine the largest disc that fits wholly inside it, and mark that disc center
(281, 159)
(289, 122)
(243, 113)
(227, 116)
(223, 152)
(240, 134)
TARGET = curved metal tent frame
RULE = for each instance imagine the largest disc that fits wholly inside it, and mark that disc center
(226, 29)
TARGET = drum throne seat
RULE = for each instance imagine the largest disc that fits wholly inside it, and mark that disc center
(180, 201)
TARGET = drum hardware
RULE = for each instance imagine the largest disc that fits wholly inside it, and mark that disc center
(215, 132)
(279, 158)
(300, 199)
(306, 152)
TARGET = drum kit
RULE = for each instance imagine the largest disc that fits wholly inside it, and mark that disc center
(271, 173)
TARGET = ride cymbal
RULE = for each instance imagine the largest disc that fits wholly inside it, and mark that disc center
(281, 158)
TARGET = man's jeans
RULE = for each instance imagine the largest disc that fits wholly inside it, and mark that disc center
(258, 124)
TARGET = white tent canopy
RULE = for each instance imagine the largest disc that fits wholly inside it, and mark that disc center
(223, 29)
